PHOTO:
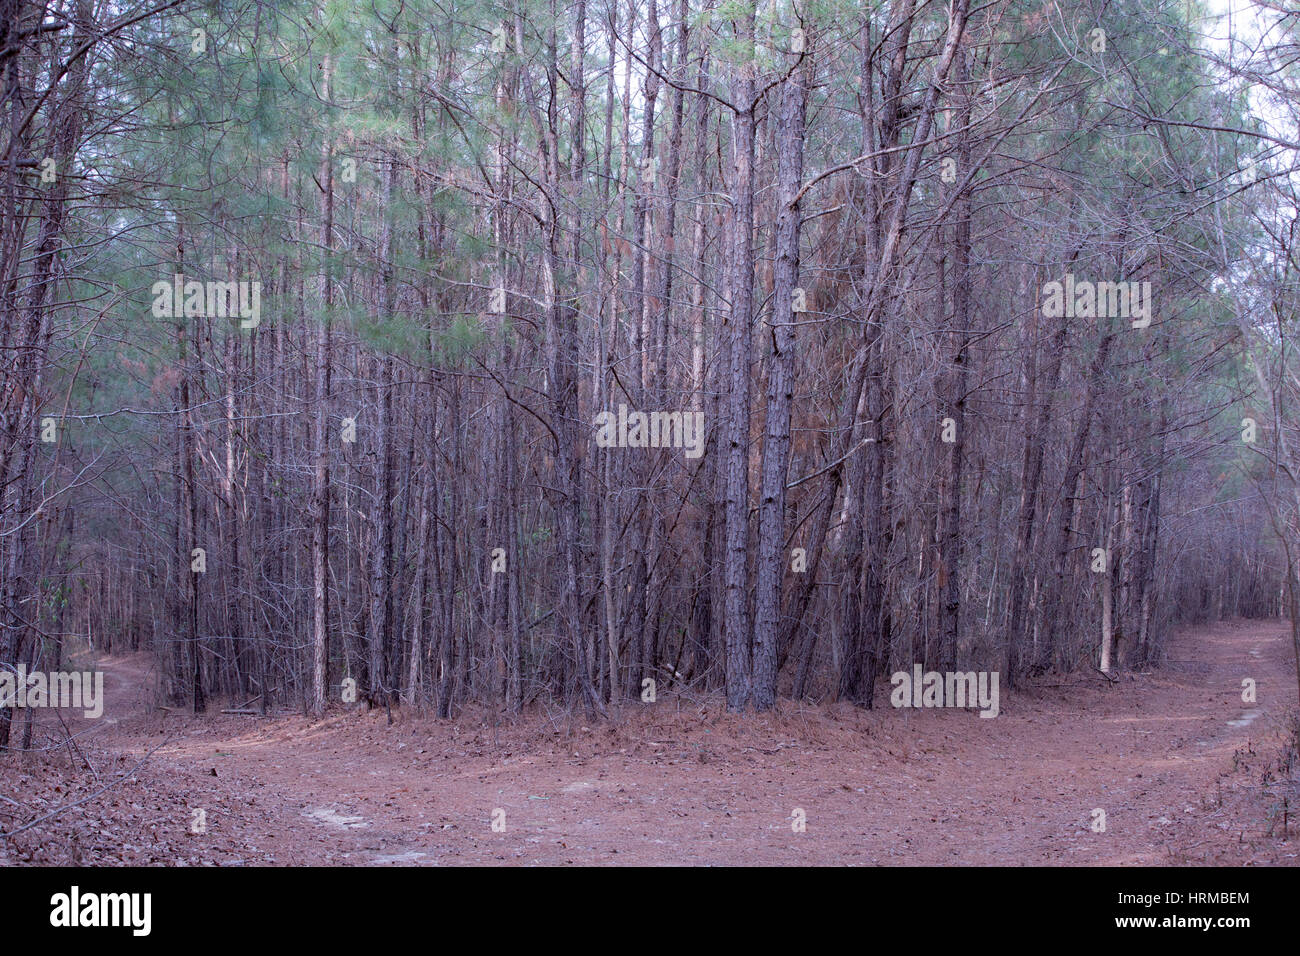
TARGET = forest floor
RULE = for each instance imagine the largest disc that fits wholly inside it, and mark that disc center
(1185, 772)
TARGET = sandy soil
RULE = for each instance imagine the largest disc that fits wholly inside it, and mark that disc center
(1184, 770)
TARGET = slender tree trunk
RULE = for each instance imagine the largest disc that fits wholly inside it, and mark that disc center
(740, 319)
(780, 386)
(950, 611)
(321, 475)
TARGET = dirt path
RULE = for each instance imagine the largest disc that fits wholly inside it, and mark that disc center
(1178, 763)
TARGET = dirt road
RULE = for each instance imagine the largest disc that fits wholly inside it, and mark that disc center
(1184, 771)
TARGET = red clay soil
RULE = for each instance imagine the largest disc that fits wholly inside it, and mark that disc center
(1185, 771)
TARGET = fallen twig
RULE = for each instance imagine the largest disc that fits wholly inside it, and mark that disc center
(68, 806)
